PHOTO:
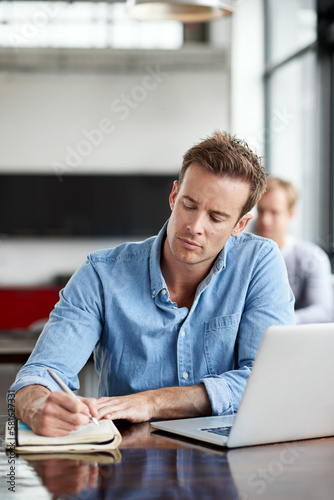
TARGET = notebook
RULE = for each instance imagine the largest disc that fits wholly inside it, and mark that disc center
(87, 439)
(107, 457)
(289, 394)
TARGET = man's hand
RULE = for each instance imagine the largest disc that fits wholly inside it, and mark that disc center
(135, 407)
(169, 402)
(52, 413)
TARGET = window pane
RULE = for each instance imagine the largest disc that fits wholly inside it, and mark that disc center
(292, 137)
(291, 26)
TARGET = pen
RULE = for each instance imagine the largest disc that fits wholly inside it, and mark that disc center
(68, 391)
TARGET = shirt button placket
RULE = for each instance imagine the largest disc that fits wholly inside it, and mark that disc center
(184, 358)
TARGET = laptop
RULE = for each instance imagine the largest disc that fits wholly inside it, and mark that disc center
(289, 394)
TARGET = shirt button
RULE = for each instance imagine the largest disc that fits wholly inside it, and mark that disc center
(183, 333)
(163, 291)
(185, 375)
(153, 292)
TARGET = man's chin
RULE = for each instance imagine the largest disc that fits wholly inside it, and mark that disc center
(192, 260)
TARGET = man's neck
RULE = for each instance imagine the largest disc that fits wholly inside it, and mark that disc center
(182, 279)
(281, 241)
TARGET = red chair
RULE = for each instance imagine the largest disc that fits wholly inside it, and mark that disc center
(21, 308)
(23, 313)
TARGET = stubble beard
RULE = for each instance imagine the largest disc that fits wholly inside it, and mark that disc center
(175, 254)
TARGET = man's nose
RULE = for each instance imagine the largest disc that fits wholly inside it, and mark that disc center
(196, 224)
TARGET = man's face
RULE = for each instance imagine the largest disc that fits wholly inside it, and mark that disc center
(205, 212)
(274, 215)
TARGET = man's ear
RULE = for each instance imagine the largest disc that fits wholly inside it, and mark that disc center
(173, 194)
(241, 224)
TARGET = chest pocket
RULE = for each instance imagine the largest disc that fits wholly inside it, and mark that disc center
(219, 342)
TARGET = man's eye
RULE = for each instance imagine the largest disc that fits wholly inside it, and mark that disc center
(188, 207)
(214, 219)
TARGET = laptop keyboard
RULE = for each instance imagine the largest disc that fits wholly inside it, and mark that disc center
(222, 431)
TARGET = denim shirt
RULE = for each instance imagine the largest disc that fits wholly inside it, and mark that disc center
(117, 304)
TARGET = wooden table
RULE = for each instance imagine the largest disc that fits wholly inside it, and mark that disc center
(156, 466)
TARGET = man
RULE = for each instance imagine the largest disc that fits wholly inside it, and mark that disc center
(308, 266)
(175, 321)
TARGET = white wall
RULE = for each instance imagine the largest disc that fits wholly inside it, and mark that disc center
(36, 261)
(148, 115)
(247, 67)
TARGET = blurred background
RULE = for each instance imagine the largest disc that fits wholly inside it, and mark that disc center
(97, 109)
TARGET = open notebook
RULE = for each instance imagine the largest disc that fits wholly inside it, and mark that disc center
(87, 439)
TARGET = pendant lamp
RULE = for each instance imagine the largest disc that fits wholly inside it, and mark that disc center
(178, 10)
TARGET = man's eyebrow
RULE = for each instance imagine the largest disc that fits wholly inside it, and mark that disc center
(217, 212)
(190, 199)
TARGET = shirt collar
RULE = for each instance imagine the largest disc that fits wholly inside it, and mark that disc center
(220, 262)
(157, 280)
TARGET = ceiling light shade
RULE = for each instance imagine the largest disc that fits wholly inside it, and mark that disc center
(178, 10)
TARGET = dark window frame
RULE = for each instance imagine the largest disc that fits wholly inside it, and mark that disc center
(324, 49)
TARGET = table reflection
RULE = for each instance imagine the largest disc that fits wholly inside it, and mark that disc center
(141, 474)
(63, 476)
(161, 466)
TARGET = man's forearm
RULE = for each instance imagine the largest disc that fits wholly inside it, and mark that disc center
(180, 402)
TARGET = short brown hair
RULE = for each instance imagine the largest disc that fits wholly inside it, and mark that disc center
(225, 155)
(290, 191)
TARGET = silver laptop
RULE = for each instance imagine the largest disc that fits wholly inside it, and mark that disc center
(289, 394)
